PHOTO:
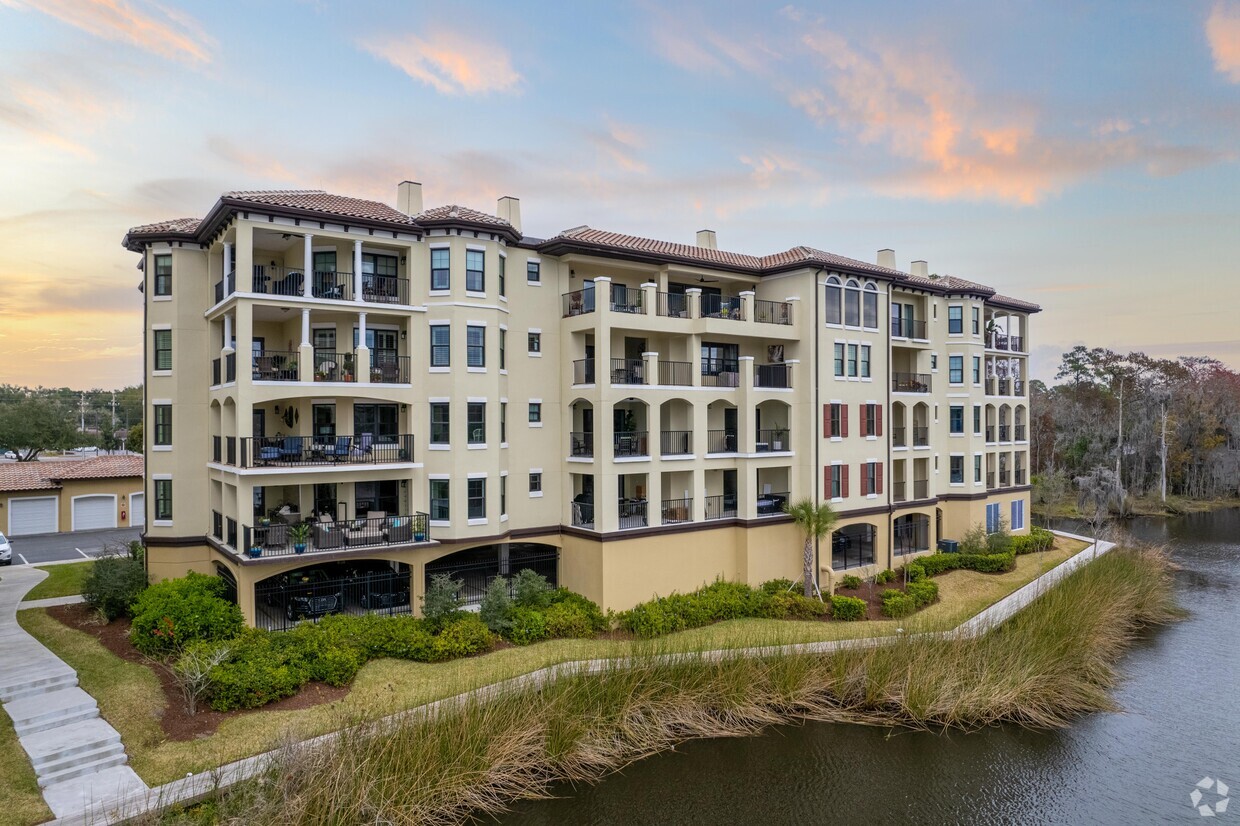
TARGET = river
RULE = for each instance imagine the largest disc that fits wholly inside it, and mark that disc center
(1180, 723)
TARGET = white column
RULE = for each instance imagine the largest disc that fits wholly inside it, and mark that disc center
(357, 280)
(305, 327)
(361, 330)
(228, 265)
(307, 266)
(228, 331)
(305, 352)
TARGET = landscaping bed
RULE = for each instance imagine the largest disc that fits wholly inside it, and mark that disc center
(62, 580)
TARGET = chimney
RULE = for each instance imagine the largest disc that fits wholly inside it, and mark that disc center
(509, 209)
(919, 268)
(887, 258)
(706, 239)
(409, 197)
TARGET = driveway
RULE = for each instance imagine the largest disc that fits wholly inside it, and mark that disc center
(52, 547)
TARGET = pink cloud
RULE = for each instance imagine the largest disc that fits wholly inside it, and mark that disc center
(448, 62)
(157, 29)
(1223, 33)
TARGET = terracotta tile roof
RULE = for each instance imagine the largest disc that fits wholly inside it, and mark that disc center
(1016, 303)
(25, 476)
(950, 284)
(100, 467)
(317, 200)
(453, 212)
(809, 256)
(186, 226)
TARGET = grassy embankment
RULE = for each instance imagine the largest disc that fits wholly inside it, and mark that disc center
(1051, 663)
(1149, 505)
(62, 580)
(20, 800)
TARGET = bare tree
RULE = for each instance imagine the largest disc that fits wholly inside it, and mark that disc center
(1097, 491)
(192, 671)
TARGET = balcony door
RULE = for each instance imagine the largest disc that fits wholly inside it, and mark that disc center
(324, 418)
(379, 421)
(382, 345)
(376, 496)
(325, 500)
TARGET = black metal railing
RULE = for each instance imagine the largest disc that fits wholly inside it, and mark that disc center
(383, 289)
(582, 514)
(720, 306)
(910, 382)
(921, 488)
(217, 449)
(1018, 387)
(230, 367)
(1005, 479)
(628, 371)
(898, 437)
(679, 373)
(772, 503)
(908, 328)
(578, 302)
(295, 451)
(720, 373)
(773, 439)
(216, 371)
(722, 506)
(388, 368)
(1020, 476)
(271, 279)
(898, 491)
(1005, 387)
(990, 480)
(672, 305)
(772, 312)
(990, 433)
(853, 549)
(772, 375)
(677, 510)
(583, 371)
(329, 366)
(625, 299)
(326, 534)
(230, 450)
(285, 601)
(921, 436)
(1016, 344)
(630, 443)
(675, 442)
(217, 525)
(581, 443)
(1005, 433)
(1020, 432)
(274, 365)
(721, 441)
(998, 341)
(230, 535)
(631, 513)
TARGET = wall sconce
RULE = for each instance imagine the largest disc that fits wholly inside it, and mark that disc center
(277, 410)
(402, 335)
(403, 259)
(403, 408)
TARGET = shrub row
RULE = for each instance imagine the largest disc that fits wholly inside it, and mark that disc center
(526, 609)
(170, 615)
(1039, 539)
(937, 563)
(719, 601)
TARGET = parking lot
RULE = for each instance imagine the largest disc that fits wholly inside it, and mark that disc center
(55, 547)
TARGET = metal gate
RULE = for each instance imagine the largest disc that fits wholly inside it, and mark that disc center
(476, 573)
(309, 594)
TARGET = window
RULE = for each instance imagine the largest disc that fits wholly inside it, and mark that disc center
(476, 423)
(955, 319)
(869, 423)
(865, 361)
(977, 420)
(955, 369)
(163, 424)
(852, 304)
(835, 481)
(503, 423)
(163, 349)
(836, 422)
(503, 347)
(977, 369)
(870, 476)
(535, 412)
(441, 420)
(533, 272)
(534, 343)
(977, 469)
(503, 263)
(934, 361)
(957, 470)
(536, 483)
(834, 297)
(163, 498)
(852, 361)
(440, 500)
(503, 496)
(475, 346)
(869, 307)
(163, 275)
(1018, 514)
(956, 419)
(441, 345)
(839, 359)
(475, 271)
(977, 321)
(477, 497)
(441, 272)
(994, 517)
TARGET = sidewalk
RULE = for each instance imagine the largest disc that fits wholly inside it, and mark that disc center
(78, 758)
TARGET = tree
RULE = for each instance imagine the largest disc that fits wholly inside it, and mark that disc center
(1049, 491)
(815, 521)
(192, 671)
(133, 440)
(1097, 491)
(32, 425)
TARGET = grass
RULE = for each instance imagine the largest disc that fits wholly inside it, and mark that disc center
(62, 580)
(386, 686)
(1047, 665)
(20, 800)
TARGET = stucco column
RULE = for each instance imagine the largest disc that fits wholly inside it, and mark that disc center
(357, 274)
(228, 265)
(307, 267)
(698, 422)
(747, 306)
(745, 401)
(693, 297)
(244, 270)
(650, 298)
(747, 490)
(794, 310)
(362, 352)
(228, 333)
(650, 366)
(305, 350)
(245, 353)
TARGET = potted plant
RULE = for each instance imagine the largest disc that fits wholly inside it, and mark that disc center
(777, 438)
(319, 375)
(255, 551)
(300, 534)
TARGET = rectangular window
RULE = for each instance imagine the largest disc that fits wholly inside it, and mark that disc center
(163, 349)
(535, 412)
(477, 493)
(955, 369)
(441, 423)
(852, 307)
(839, 359)
(865, 361)
(994, 515)
(475, 346)
(533, 343)
(441, 272)
(834, 296)
(837, 481)
(934, 361)
(503, 496)
(977, 321)
(163, 498)
(503, 347)
(503, 423)
(957, 470)
(956, 419)
(163, 275)
(440, 501)
(869, 427)
(977, 420)
(837, 419)
(977, 369)
(535, 483)
(955, 319)
(441, 345)
(503, 263)
(476, 423)
(852, 361)
(977, 469)
(533, 272)
(869, 307)
(475, 271)
(1018, 514)
(869, 478)
(163, 424)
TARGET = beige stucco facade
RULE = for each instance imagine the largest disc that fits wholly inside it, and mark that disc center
(121, 491)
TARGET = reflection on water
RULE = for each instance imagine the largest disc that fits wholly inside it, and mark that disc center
(1180, 722)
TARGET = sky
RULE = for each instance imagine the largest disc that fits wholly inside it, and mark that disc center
(1080, 155)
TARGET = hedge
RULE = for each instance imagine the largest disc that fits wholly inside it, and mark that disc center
(847, 608)
(721, 600)
(1039, 539)
(898, 604)
(170, 615)
(936, 563)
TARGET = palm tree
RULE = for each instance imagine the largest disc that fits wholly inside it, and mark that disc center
(815, 521)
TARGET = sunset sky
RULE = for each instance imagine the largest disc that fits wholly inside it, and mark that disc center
(1083, 156)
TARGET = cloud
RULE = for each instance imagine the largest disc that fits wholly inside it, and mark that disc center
(450, 63)
(57, 100)
(621, 143)
(1223, 32)
(151, 27)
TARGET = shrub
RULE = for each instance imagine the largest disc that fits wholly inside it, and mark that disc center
(1041, 539)
(898, 604)
(594, 615)
(991, 563)
(462, 637)
(496, 608)
(529, 625)
(569, 619)
(794, 605)
(974, 540)
(850, 582)
(885, 576)
(176, 612)
(916, 572)
(441, 603)
(401, 637)
(262, 667)
(112, 585)
(924, 592)
(775, 586)
(999, 541)
(531, 590)
(847, 608)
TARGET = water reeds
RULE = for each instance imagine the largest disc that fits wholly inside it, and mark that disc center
(1049, 664)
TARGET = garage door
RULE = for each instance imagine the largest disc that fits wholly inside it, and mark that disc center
(137, 510)
(32, 516)
(91, 512)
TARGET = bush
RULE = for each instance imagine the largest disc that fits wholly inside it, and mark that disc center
(462, 637)
(898, 604)
(935, 564)
(496, 609)
(400, 637)
(776, 586)
(262, 667)
(916, 572)
(999, 541)
(847, 608)
(974, 540)
(531, 590)
(594, 616)
(887, 575)
(529, 625)
(924, 592)
(441, 603)
(992, 563)
(850, 582)
(567, 619)
(795, 605)
(112, 585)
(176, 612)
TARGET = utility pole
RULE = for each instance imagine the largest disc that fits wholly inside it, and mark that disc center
(82, 413)
(112, 427)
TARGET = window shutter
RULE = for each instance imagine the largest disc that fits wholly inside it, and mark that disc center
(844, 481)
(861, 421)
(826, 421)
(878, 422)
(878, 477)
(826, 482)
(844, 421)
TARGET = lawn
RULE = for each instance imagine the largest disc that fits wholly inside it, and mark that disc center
(62, 580)
(130, 699)
(20, 800)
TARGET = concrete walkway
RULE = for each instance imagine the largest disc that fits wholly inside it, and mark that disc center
(50, 602)
(78, 758)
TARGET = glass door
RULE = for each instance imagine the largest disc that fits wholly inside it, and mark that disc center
(377, 421)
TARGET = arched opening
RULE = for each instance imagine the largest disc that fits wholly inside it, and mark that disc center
(921, 425)
(852, 546)
(1020, 432)
(309, 593)
(631, 428)
(675, 428)
(834, 299)
(1005, 423)
(581, 435)
(911, 534)
(899, 425)
(771, 426)
(721, 427)
(476, 567)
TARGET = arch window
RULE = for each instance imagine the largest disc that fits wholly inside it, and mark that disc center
(869, 306)
(834, 299)
(852, 304)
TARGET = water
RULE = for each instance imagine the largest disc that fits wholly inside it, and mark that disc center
(1180, 722)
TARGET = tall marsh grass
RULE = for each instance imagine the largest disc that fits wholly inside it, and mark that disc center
(1051, 663)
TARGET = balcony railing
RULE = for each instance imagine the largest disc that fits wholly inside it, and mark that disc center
(772, 375)
(1005, 387)
(217, 448)
(1002, 341)
(772, 312)
(1016, 344)
(216, 371)
(339, 534)
(921, 489)
(910, 382)
(721, 441)
(678, 373)
(720, 373)
(626, 299)
(1020, 433)
(297, 451)
(722, 506)
(719, 306)
(628, 371)
(582, 514)
(998, 341)
(772, 503)
(1020, 476)
(274, 365)
(990, 433)
(286, 281)
(908, 328)
(1005, 433)
(578, 302)
(581, 443)
(673, 305)
(1018, 387)
(677, 510)
(898, 492)
(675, 442)
(775, 439)
(583, 371)
(898, 436)
(1005, 479)
(230, 532)
(386, 368)
(631, 513)
(990, 480)
(230, 367)
(630, 443)
(230, 449)
(330, 366)
(921, 436)
(217, 525)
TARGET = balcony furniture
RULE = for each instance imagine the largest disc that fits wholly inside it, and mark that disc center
(581, 443)
(400, 530)
(363, 445)
(337, 450)
(290, 284)
(328, 534)
(583, 510)
(271, 537)
(769, 503)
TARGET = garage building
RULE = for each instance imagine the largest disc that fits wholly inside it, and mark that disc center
(59, 496)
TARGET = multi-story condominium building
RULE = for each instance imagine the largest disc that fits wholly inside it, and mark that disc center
(431, 390)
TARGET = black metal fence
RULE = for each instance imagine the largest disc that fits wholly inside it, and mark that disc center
(675, 442)
(853, 548)
(721, 441)
(628, 371)
(772, 312)
(772, 375)
(476, 575)
(677, 510)
(910, 382)
(309, 594)
(631, 443)
(679, 373)
(722, 506)
(273, 365)
(292, 451)
(673, 305)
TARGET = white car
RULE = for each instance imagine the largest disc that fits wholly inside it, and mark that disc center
(8, 454)
(6, 551)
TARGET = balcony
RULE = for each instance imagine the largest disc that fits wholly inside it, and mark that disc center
(628, 371)
(1020, 476)
(908, 328)
(772, 441)
(330, 366)
(772, 312)
(772, 503)
(582, 512)
(675, 442)
(231, 280)
(230, 368)
(990, 480)
(772, 375)
(274, 365)
(721, 441)
(898, 492)
(1005, 433)
(676, 373)
(581, 444)
(1002, 341)
(630, 443)
(386, 368)
(898, 437)
(910, 382)
(990, 434)
(677, 510)
(921, 437)
(578, 302)
(216, 371)
(1005, 479)
(722, 506)
(307, 451)
(376, 530)
(583, 371)
(719, 306)
(330, 284)
(672, 305)
(720, 373)
(626, 299)
(921, 489)
(631, 513)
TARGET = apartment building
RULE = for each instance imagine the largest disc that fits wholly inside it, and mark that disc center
(433, 391)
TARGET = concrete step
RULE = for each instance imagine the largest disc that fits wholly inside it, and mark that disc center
(93, 764)
(51, 709)
(94, 793)
(52, 746)
(39, 686)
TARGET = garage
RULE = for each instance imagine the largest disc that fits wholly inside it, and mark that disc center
(32, 515)
(137, 510)
(94, 512)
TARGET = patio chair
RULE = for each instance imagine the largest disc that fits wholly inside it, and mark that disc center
(364, 442)
(339, 449)
(290, 450)
(327, 533)
(400, 529)
(269, 451)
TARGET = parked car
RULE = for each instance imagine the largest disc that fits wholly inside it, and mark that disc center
(6, 551)
(378, 586)
(307, 593)
(10, 454)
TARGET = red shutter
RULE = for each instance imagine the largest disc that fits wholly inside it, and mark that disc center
(826, 421)
(865, 425)
(844, 481)
(878, 420)
(826, 482)
(843, 420)
(878, 478)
